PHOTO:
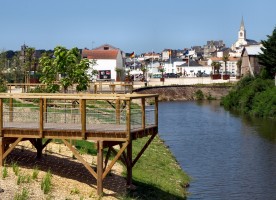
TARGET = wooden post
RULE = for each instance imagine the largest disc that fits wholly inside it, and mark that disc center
(100, 168)
(129, 147)
(156, 110)
(39, 148)
(41, 117)
(83, 117)
(95, 88)
(129, 163)
(143, 108)
(45, 109)
(1, 117)
(11, 110)
(1, 150)
(118, 111)
(128, 118)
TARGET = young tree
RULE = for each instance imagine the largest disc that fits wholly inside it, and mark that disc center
(69, 65)
(29, 62)
(216, 66)
(268, 56)
(225, 60)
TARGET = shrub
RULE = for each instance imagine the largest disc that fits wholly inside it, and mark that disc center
(253, 96)
(199, 95)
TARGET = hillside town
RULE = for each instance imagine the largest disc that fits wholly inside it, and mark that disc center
(109, 63)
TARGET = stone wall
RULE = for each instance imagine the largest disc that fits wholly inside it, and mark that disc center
(176, 93)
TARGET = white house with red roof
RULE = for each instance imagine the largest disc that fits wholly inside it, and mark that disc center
(109, 62)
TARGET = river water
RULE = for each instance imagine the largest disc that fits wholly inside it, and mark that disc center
(227, 156)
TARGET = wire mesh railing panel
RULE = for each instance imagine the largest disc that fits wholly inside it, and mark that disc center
(136, 118)
(101, 116)
(150, 115)
(26, 119)
(58, 117)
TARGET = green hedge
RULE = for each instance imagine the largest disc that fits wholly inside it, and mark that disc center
(253, 96)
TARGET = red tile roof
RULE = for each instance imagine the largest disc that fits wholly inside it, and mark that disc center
(100, 54)
(221, 59)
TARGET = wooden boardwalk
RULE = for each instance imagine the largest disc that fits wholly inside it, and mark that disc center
(106, 119)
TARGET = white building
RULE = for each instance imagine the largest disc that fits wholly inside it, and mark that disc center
(191, 68)
(109, 62)
(231, 66)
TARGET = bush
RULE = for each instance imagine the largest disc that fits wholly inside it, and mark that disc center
(253, 96)
(3, 86)
(199, 95)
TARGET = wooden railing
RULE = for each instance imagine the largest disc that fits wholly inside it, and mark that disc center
(94, 87)
(82, 113)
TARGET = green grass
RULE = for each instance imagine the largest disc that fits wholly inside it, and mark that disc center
(23, 179)
(15, 168)
(4, 172)
(157, 174)
(24, 195)
(35, 173)
(85, 147)
(46, 183)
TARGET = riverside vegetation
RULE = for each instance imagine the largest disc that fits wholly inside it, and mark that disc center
(253, 96)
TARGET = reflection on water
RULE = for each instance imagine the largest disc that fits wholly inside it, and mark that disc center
(228, 156)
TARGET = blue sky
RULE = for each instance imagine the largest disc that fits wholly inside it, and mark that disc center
(137, 25)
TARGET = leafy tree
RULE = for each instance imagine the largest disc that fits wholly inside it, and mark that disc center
(268, 56)
(225, 60)
(69, 65)
(3, 61)
(29, 62)
(16, 69)
(216, 66)
(239, 64)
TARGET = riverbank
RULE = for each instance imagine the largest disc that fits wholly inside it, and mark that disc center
(186, 92)
(157, 175)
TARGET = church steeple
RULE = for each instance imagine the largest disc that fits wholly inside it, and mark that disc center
(242, 25)
(242, 32)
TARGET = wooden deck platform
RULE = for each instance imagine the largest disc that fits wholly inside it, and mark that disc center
(105, 119)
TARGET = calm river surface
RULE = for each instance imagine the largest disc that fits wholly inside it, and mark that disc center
(227, 156)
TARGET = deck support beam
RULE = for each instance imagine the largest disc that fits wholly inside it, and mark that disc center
(143, 149)
(78, 156)
(5, 152)
(38, 144)
(129, 164)
(100, 168)
(2, 145)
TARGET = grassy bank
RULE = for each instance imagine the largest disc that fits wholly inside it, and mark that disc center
(253, 96)
(157, 174)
